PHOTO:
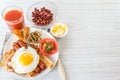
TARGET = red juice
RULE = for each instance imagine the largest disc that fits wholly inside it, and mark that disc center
(14, 19)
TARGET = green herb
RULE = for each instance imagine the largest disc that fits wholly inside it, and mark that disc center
(49, 49)
(48, 46)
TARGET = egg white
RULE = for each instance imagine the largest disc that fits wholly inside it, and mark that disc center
(18, 68)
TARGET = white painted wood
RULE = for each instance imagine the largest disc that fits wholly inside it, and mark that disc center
(61, 70)
(91, 50)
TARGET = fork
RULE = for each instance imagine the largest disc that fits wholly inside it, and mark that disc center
(7, 35)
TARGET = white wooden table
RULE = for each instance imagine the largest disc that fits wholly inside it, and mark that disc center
(91, 50)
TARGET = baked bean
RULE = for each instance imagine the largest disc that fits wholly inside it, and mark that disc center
(42, 17)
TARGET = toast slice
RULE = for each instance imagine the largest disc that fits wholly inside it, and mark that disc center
(49, 64)
(6, 61)
(19, 34)
(22, 34)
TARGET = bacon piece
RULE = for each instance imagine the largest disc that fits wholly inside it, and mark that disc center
(16, 46)
(22, 44)
(35, 47)
(41, 65)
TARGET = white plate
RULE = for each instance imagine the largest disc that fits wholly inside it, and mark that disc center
(44, 34)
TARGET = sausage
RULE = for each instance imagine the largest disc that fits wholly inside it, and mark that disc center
(16, 46)
(42, 65)
(22, 44)
(35, 47)
(37, 70)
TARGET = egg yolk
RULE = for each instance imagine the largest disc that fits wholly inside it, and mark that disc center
(26, 59)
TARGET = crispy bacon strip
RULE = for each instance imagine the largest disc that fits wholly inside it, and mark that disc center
(21, 43)
(41, 66)
(16, 46)
(43, 58)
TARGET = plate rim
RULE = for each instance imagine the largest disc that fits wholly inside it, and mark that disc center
(38, 75)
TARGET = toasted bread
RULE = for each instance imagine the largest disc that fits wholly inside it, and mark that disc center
(7, 59)
(7, 55)
(49, 64)
(19, 34)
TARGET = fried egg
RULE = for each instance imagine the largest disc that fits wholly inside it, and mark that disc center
(25, 60)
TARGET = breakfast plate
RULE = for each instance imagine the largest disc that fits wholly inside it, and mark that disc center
(44, 34)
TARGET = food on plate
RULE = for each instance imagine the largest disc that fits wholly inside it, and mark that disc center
(49, 64)
(22, 44)
(27, 36)
(29, 58)
(22, 34)
(26, 31)
(6, 61)
(41, 66)
(19, 34)
(25, 60)
(48, 46)
(18, 44)
(34, 37)
(42, 17)
(34, 46)
(46, 60)
(59, 29)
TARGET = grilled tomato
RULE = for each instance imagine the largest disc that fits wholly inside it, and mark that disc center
(48, 46)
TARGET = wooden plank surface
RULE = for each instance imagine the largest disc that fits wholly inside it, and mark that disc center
(91, 50)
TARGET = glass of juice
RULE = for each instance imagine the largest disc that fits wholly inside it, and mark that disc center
(13, 16)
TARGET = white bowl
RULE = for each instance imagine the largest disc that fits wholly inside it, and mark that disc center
(59, 36)
(48, 5)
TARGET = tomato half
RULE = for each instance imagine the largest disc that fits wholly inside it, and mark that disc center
(48, 46)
